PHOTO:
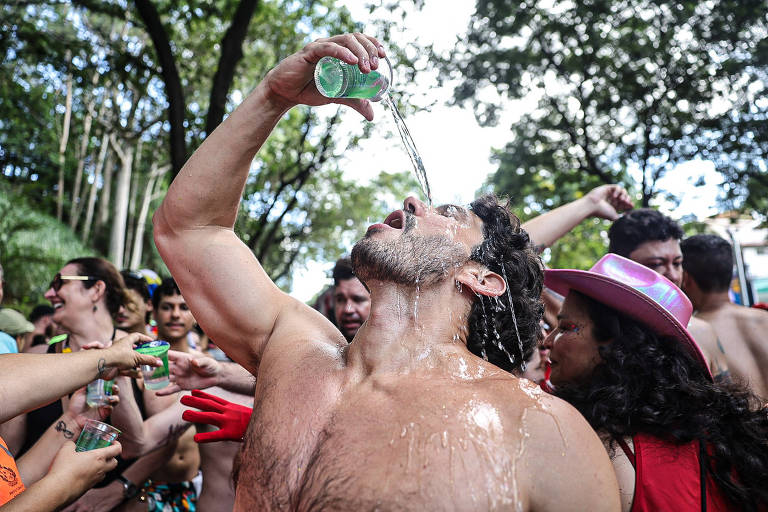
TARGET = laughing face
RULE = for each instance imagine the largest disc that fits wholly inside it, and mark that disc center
(417, 245)
(70, 297)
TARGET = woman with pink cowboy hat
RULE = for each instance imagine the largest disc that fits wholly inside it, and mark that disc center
(622, 356)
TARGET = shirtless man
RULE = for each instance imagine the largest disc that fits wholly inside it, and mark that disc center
(707, 274)
(406, 417)
(652, 239)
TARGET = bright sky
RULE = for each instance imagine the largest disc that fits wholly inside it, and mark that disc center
(454, 148)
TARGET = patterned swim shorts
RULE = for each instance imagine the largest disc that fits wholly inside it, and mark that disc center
(163, 497)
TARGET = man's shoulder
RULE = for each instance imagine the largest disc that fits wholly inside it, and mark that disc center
(699, 325)
(541, 415)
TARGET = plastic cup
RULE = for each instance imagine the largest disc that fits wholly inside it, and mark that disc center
(96, 435)
(98, 392)
(155, 377)
(335, 78)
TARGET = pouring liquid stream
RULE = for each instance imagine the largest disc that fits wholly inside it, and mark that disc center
(410, 148)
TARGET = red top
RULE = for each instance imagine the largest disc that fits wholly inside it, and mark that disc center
(668, 477)
(10, 480)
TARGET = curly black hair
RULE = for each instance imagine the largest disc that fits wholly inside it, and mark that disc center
(652, 384)
(639, 226)
(709, 261)
(502, 334)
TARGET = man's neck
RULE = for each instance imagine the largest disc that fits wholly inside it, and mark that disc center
(411, 328)
(709, 302)
(179, 344)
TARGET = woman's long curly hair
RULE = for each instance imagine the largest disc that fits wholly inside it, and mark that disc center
(501, 333)
(651, 384)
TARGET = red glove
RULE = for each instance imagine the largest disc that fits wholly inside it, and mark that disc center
(232, 419)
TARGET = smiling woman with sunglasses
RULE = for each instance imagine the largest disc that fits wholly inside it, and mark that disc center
(86, 295)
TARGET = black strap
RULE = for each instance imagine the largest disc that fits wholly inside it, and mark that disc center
(627, 451)
(703, 475)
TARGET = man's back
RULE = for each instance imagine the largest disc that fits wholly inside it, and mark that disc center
(742, 331)
(465, 437)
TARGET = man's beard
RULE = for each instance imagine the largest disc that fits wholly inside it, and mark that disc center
(410, 259)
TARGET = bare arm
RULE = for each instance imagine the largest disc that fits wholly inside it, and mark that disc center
(197, 371)
(110, 496)
(604, 202)
(567, 467)
(21, 391)
(71, 474)
(232, 297)
(159, 430)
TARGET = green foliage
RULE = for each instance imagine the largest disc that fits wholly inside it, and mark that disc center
(298, 205)
(33, 247)
(618, 91)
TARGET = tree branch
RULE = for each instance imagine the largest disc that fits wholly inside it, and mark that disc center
(231, 53)
(170, 74)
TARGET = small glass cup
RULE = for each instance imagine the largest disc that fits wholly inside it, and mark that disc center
(94, 435)
(155, 377)
(98, 392)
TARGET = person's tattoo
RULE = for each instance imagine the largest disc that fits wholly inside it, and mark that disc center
(62, 427)
(720, 346)
(102, 367)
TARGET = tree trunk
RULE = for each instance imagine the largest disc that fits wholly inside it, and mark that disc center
(231, 53)
(76, 207)
(173, 89)
(141, 221)
(131, 223)
(106, 191)
(63, 143)
(95, 187)
(120, 211)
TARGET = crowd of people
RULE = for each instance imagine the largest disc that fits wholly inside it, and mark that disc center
(446, 368)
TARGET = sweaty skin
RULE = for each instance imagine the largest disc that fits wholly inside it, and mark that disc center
(404, 418)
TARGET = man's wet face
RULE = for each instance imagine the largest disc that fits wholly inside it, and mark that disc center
(417, 245)
(665, 257)
(352, 305)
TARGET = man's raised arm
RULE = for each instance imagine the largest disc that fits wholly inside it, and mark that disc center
(231, 295)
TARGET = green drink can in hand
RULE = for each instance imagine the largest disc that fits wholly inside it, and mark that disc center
(155, 377)
(335, 78)
(94, 435)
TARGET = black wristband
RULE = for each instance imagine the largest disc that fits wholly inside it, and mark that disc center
(129, 488)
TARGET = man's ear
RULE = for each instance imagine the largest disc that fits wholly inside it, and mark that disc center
(481, 280)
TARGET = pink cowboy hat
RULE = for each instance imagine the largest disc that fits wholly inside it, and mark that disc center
(635, 290)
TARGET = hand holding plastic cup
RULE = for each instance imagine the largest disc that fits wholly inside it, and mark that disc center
(155, 377)
(98, 393)
(335, 78)
(95, 434)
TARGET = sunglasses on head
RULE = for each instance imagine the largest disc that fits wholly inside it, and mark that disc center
(58, 280)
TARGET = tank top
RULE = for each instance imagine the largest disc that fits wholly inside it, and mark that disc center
(669, 476)
(10, 479)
